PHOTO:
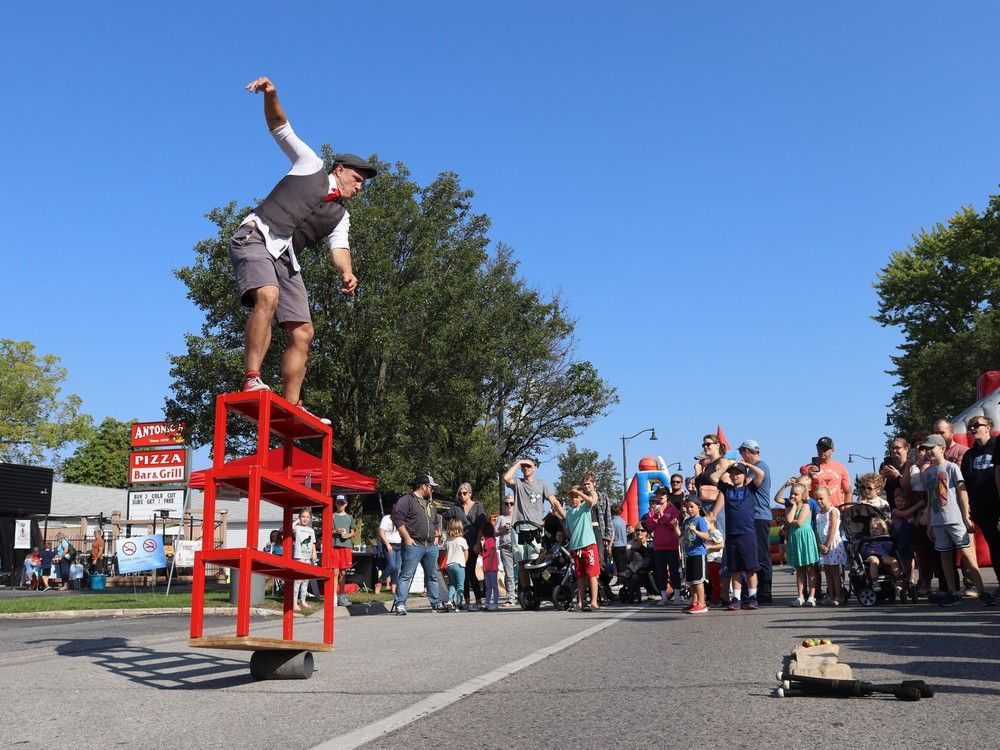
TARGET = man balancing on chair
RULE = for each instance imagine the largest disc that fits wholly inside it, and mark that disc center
(304, 207)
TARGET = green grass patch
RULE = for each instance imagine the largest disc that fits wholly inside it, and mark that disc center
(58, 601)
(123, 599)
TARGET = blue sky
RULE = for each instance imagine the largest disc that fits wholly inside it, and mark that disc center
(713, 187)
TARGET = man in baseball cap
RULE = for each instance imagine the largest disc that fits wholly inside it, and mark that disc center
(750, 453)
(825, 472)
(419, 525)
(306, 206)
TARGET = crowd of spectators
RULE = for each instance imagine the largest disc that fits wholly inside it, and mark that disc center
(709, 535)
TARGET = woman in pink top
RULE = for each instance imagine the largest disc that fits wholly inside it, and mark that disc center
(660, 523)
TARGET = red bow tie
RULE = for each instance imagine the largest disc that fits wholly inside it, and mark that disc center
(333, 196)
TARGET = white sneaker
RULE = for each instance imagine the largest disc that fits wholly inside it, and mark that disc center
(324, 420)
(798, 602)
(811, 601)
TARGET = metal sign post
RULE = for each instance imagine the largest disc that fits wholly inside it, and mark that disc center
(180, 523)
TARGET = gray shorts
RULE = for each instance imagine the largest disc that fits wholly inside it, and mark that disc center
(951, 536)
(256, 267)
(527, 551)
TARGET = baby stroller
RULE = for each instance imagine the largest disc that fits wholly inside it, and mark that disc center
(549, 573)
(635, 578)
(564, 597)
(854, 522)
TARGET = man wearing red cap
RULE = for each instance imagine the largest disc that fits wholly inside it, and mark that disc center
(306, 206)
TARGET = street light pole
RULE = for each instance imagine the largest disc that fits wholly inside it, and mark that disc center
(852, 456)
(625, 440)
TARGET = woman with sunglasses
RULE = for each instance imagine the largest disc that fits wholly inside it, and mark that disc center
(711, 463)
(471, 514)
(979, 471)
(505, 544)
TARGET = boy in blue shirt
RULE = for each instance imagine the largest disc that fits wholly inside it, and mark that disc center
(694, 533)
(582, 542)
(737, 496)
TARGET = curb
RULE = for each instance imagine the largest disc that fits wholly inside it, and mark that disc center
(65, 614)
(368, 608)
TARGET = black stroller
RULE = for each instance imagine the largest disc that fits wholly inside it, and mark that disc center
(854, 522)
(550, 573)
(636, 577)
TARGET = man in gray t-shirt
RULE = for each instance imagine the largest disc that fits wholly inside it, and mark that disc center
(530, 495)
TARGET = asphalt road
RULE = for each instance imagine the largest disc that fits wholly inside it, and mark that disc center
(547, 678)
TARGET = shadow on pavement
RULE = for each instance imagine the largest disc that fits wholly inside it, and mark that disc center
(164, 670)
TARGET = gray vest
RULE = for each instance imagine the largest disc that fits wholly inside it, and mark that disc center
(295, 208)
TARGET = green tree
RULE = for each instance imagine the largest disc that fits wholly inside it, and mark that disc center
(573, 463)
(102, 461)
(36, 422)
(941, 292)
(445, 360)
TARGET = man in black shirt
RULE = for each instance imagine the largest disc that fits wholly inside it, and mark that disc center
(979, 470)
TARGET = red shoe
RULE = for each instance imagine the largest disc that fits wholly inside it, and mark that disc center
(255, 384)
(697, 609)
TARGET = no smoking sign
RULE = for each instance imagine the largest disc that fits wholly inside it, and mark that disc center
(141, 553)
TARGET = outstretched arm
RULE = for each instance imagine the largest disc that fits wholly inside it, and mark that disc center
(557, 507)
(273, 112)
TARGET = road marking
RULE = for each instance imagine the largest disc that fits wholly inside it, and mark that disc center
(434, 703)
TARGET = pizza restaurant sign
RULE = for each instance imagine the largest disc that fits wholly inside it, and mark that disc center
(146, 467)
(157, 434)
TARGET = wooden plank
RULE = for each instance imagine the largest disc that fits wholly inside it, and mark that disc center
(254, 643)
